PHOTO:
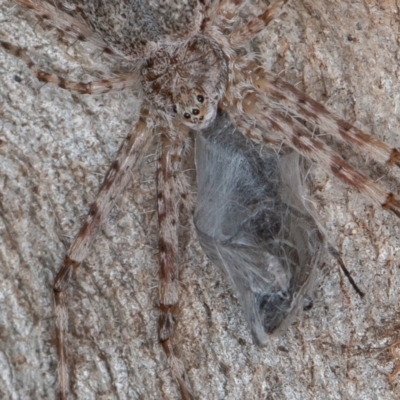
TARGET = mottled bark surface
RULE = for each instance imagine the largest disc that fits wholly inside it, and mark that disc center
(55, 148)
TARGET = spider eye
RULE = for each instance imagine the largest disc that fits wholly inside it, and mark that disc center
(195, 111)
(174, 109)
(186, 115)
(200, 98)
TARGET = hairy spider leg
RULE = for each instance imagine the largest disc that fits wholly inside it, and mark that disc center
(130, 153)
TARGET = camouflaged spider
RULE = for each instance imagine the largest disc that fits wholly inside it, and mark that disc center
(186, 69)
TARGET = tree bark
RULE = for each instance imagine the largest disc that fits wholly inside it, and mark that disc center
(55, 148)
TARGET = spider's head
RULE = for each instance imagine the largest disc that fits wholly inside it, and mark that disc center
(194, 108)
(186, 81)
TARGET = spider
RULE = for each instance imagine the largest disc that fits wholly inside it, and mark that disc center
(178, 114)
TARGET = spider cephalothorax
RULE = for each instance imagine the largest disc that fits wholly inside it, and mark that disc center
(186, 80)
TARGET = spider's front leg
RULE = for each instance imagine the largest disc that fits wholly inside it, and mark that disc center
(264, 122)
(116, 179)
(63, 21)
(298, 103)
(257, 24)
(168, 194)
(117, 84)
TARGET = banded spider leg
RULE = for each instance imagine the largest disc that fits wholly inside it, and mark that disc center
(169, 193)
(130, 153)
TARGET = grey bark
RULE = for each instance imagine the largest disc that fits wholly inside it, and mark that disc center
(54, 150)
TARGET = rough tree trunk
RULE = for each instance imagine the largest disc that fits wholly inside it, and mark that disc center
(54, 150)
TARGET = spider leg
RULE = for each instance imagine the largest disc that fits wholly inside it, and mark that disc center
(257, 107)
(230, 8)
(122, 82)
(298, 103)
(256, 25)
(65, 22)
(168, 218)
(117, 177)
